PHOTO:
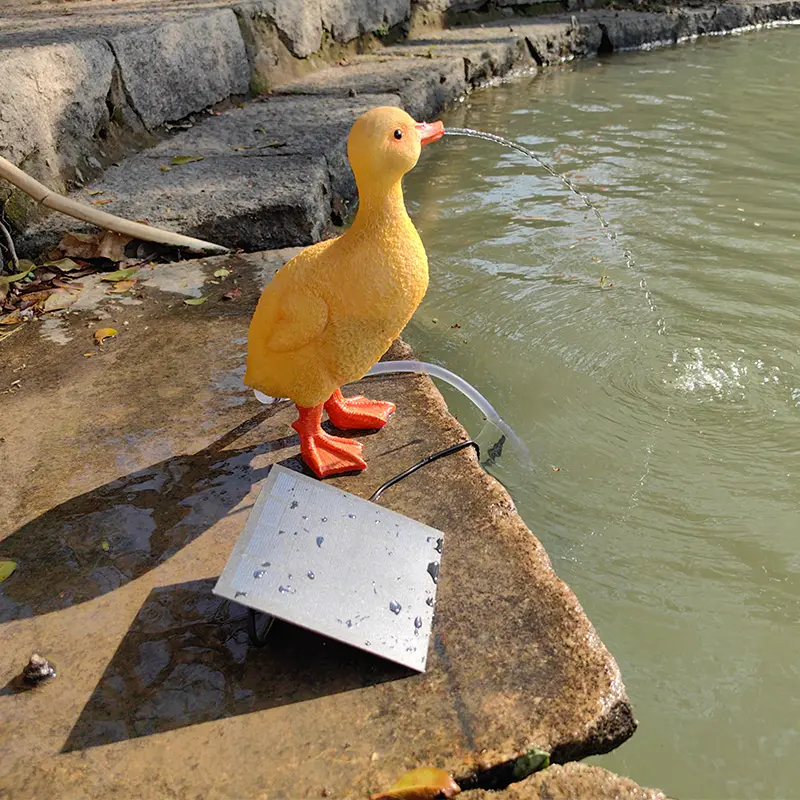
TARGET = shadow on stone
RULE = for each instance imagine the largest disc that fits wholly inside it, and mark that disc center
(101, 540)
(186, 659)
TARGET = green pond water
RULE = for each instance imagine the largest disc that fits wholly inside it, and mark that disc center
(662, 417)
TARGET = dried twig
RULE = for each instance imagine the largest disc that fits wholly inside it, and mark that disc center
(73, 208)
(10, 245)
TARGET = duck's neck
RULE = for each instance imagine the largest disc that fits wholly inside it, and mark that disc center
(382, 208)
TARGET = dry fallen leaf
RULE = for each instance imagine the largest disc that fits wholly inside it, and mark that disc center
(13, 318)
(64, 264)
(556, 469)
(60, 298)
(222, 273)
(108, 245)
(104, 333)
(233, 294)
(178, 161)
(26, 266)
(426, 783)
(93, 192)
(78, 245)
(123, 286)
(112, 246)
(119, 275)
(6, 569)
(103, 202)
(195, 301)
(165, 168)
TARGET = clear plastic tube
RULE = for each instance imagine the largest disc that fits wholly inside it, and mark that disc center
(467, 389)
(493, 419)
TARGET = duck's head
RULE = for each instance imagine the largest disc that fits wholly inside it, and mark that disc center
(385, 143)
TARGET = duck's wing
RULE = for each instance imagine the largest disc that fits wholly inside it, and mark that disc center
(298, 317)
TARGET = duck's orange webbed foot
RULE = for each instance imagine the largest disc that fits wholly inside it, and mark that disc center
(358, 413)
(324, 454)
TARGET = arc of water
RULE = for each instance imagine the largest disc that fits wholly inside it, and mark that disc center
(627, 255)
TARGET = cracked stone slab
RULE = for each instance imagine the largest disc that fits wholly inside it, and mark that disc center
(158, 451)
(573, 781)
(184, 66)
(424, 86)
(268, 176)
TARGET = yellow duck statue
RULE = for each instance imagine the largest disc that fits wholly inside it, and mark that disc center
(334, 309)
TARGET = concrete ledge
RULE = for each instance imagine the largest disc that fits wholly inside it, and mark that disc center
(157, 671)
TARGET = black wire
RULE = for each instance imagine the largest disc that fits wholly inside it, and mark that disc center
(441, 454)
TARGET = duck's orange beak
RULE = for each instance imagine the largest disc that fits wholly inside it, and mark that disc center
(430, 131)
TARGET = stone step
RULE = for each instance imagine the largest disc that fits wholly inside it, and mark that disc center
(270, 174)
(248, 196)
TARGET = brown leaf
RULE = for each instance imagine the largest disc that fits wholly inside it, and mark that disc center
(15, 317)
(112, 246)
(63, 264)
(108, 245)
(104, 333)
(233, 294)
(426, 783)
(59, 299)
(104, 202)
(78, 245)
(119, 275)
(123, 286)
(35, 298)
(62, 284)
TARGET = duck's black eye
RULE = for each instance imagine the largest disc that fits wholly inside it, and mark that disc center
(398, 134)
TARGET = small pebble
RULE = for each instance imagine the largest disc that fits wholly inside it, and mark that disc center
(37, 670)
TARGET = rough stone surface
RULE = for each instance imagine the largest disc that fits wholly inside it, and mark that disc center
(183, 67)
(347, 19)
(299, 24)
(269, 176)
(424, 86)
(573, 781)
(201, 55)
(126, 505)
(52, 103)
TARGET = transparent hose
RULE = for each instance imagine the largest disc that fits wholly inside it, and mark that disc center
(467, 389)
(493, 419)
